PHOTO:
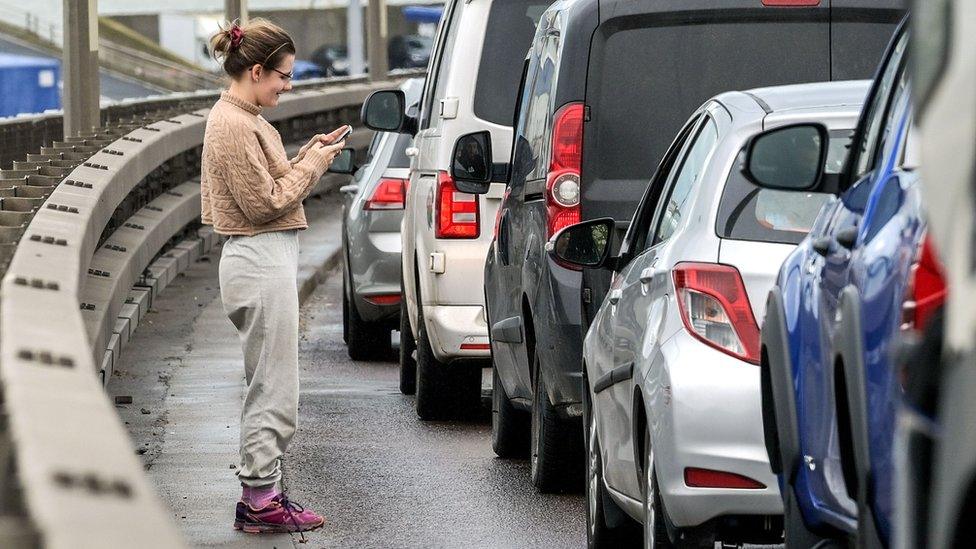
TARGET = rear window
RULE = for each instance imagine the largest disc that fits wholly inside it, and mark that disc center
(748, 212)
(511, 27)
(400, 158)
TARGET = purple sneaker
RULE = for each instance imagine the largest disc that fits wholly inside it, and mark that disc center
(280, 516)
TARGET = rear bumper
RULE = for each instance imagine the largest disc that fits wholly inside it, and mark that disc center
(374, 267)
(451, 326)
(707, 415)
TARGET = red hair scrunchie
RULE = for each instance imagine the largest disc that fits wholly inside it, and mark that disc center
(236, 36)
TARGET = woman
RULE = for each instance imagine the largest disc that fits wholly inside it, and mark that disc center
(253, 193)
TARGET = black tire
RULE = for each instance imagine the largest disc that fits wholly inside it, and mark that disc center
(345, 311)
(655, 517)
(606, 524)
(509, 425)
(443, 391)
(367, 340)
(556, 444)
(408, 366)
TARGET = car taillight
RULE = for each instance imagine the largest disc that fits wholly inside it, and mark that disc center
(457, 213)
(388, 195)
(925, 291)
(707, 478)
(383, 299)
(563, 180)
(715, 308)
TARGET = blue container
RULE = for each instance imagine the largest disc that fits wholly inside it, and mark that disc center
(28, 84)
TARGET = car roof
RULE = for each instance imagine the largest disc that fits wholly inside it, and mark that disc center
(817, 95)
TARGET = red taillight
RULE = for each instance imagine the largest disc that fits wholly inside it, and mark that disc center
(388, 195)
(926, 288)
(715, 308)
(475, 346)
(791, 3)
(383, 299)
(457, 213)
(563, 180)
(707, 478)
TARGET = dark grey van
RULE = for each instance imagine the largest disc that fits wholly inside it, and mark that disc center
(607, 84)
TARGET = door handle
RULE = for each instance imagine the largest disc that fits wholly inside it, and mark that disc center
(615, 296)
(648, 274)
(847, 237)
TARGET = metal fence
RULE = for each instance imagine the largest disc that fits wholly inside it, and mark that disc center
(83, 223)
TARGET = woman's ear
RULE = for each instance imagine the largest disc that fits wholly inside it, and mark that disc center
(256, 72)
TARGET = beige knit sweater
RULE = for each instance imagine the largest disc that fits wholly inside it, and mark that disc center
(248, 185)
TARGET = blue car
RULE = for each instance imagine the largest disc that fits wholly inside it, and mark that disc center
(842, 300)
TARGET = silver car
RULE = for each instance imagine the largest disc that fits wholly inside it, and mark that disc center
(672, 404)
(371, 241)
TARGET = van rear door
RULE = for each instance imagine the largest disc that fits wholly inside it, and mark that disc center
(652, 65)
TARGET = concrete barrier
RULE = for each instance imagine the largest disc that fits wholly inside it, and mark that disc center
(79, 281)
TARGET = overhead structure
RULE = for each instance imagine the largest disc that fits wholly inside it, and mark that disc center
(377, 38)
(80, 66)
(354, 38)
(236, 10)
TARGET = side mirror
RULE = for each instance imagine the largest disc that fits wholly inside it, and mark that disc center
(385, 111)
(788, 158)
(349, 189)
(344, 162)
(471, 165)
(585, 244)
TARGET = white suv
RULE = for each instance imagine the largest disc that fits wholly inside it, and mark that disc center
(472, 85)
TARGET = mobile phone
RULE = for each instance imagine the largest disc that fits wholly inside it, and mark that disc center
(345, 134)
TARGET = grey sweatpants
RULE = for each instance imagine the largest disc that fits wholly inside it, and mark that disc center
(259, 289)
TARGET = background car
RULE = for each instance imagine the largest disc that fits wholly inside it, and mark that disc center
(593, 86)
(936, 495)
(332, 58)
(471, 87)
(409, 51)
(674, 423)
(371, 241)
(861, 278)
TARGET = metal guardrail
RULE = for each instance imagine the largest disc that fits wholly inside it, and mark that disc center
(69, 466)
(28, 133)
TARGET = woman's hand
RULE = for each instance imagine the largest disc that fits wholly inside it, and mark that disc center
(321, 138)
(330, 138)
(327, 151)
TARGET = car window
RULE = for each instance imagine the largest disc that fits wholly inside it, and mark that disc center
(509, 33)
(538, 117)
(747, 212)
(637, 231)
(675, 206)
(373, 145)
(434, 87)
(871, 139)
(399, 158)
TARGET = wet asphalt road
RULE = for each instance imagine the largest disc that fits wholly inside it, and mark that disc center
(386, 479)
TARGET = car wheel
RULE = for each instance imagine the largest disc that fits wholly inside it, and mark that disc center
(444, 391)
(606, 524)
(408, 366)
(557, 444)
(655, 525)
(509, 425)
(345, 312)
(367, 340)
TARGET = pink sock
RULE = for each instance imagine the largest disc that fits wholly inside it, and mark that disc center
(259, 497)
